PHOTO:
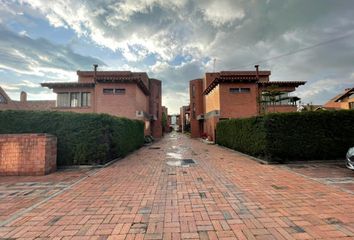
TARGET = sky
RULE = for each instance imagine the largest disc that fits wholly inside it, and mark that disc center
(177, 41)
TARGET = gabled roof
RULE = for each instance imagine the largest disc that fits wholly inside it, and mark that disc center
(120, 74)
(139, 78)
(235, 76)
(282, 83)
(52, 85)
(4, 94)
(245, 73)
(342, 95)
(25, 105)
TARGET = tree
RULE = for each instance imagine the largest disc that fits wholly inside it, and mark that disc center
(164, 121)
(270, 95)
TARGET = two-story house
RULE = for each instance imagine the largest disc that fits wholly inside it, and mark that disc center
(120, 93)
(237, 94)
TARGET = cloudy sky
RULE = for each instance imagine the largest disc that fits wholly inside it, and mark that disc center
(176, 41)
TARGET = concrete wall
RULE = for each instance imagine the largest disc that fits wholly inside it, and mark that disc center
(27, 154)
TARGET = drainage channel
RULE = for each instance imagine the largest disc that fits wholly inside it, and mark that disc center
(181, 162)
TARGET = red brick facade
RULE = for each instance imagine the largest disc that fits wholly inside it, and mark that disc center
(27, 154)
(236, 94)
(344, 100)
(120, 93)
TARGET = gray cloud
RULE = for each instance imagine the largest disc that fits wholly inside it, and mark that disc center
(236, 33)
(25, 55)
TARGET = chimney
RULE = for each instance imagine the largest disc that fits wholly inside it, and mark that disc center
(257, 72)
(95, 72)
(23, 96)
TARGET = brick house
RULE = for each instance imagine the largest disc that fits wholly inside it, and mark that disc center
(6, 103)
(184, 120)
(120, 93)
(236, 94)
(344, 100)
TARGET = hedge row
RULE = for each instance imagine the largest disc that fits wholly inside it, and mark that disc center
(82, 138)
(290, 136)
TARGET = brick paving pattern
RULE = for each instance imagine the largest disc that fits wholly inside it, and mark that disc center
(223, 196)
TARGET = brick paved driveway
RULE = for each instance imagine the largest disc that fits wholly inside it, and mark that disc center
(223, 196)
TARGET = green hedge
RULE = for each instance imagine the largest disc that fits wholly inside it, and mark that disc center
(82, 138)
(290, 136)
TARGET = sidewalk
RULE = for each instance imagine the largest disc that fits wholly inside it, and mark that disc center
(223, 196)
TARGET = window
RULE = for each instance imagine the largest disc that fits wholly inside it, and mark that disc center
(351, 105)
(108, 91)
(193, 90)
(119, 91)
(74, 99)
(240, 90)
(85, 99)
(276, 98)
(63, 100)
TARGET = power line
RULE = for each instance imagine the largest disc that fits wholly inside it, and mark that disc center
(298, 50)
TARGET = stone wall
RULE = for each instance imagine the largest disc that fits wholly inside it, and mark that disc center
(27, 154)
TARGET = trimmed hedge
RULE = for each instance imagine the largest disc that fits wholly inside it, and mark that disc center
(290, 136)
(82, 138)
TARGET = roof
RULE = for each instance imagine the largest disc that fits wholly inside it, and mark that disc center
(244, 73)
(341, 95)
(282, 83)
(121, 74)
(40, 105)
(334, 102)
(235, 76)
(4, 94)
(222, 79)
(52, 85)
(26, 105)
(139, 78)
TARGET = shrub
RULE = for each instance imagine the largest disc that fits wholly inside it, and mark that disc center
(82, 138)
(290, 136)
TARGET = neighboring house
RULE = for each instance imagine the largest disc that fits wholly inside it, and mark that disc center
(345, 100)
(237, 94)
(184, 120)
(120, 93)
(174, 121)
(311, 108)
(6, 103)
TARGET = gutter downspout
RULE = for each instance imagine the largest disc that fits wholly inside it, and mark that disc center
(94, 90)
(259, 93)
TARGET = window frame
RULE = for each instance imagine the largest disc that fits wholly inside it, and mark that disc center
(61, 99)
(238, 90)
(108, 91)
(87, 99)
(78, 102)
(120, 91)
